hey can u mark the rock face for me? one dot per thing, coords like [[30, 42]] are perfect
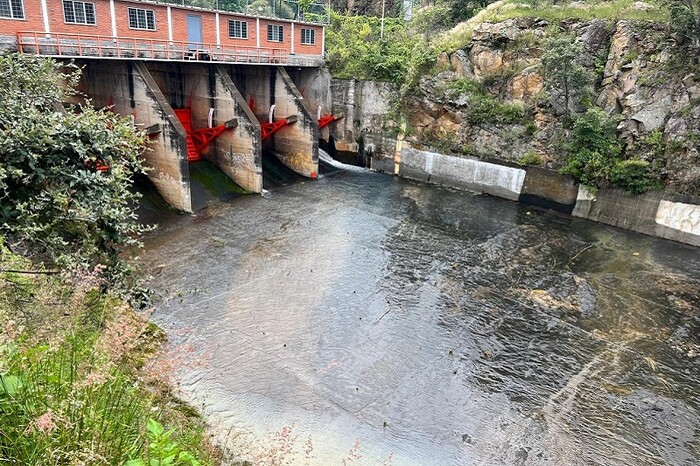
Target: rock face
[[641, 76]]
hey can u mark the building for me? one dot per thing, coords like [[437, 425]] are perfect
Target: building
[[156, 31]]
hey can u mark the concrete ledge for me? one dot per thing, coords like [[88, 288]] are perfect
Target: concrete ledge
[[472, 175], [615, 207], [669, 216]]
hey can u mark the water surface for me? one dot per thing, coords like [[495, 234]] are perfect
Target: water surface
[[417, 325]]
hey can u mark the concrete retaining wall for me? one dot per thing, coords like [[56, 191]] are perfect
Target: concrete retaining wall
[[655, 213], [366, 106]]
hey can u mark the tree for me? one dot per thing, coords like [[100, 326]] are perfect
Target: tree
[[54, 201], [685, 19], [563, 73]]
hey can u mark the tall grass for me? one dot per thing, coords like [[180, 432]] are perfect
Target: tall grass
[[74, 384], [59, 406], [587, 10]]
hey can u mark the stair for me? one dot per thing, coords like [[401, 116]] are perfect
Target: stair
[[192, 154], [185, 117]]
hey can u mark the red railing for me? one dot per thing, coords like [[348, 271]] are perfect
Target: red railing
[[82, 45]]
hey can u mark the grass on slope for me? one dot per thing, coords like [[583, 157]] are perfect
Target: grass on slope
[[460, 35]]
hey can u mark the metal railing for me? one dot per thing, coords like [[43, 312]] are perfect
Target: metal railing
[[82, 45], [318, 11]]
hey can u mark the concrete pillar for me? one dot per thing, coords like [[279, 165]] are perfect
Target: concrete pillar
[[206, 87], [129, 89], [296, 145], [237, 152], [314, 84]]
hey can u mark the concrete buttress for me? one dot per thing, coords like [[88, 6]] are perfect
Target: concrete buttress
[[296, 145], [130, 90], [213, 99]]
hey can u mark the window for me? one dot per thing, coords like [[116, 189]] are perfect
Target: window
[[142, 19], [11, 9], [79, 12], [308, 36], [275, 33], [237, 29]]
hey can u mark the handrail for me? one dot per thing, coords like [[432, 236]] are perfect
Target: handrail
[[85, 45]]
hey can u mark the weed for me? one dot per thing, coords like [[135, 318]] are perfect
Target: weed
[[530, 158]]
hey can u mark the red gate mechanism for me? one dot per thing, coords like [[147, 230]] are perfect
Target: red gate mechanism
[[325, 120], [199, 139], [269, 128]]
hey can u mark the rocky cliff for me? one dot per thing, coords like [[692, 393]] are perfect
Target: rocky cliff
[[490, 99]]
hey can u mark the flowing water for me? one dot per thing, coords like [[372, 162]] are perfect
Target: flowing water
[[366, 319]]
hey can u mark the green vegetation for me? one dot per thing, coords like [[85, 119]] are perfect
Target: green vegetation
[[530, 158], [563, 73], [356, 50], [595, 156], [685, 19], [585, 10], [76, 382], [482, 107], [56, 204]]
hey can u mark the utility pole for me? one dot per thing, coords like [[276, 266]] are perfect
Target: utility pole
[[381, 31]]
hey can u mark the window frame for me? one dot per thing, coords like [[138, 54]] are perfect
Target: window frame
[[312, 35], [84, 12], [12, 11], [241, 22], [270, 34], [145, 11]]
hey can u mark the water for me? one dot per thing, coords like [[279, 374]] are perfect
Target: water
[[430, 326]]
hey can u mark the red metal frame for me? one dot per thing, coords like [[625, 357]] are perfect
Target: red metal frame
[[268, 129], [83, 45], [326, 120], [197, 139]]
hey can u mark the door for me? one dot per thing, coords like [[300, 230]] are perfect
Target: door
[[194, 32]]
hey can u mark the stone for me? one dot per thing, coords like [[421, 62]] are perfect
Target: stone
[[461, 64], [486, 61], [526, 85], [443, 60], [642, 6], [653, 116]]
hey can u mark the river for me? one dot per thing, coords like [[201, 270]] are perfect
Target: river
[[365, 319]]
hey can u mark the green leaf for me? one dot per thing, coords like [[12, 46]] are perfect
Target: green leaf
[[154, 427], [138, 462], [10, 384]]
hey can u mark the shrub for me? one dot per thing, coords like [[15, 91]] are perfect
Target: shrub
[[482, 107], [594, 148], [530, 158], [487, 109], [634, 175], [55, 201]]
